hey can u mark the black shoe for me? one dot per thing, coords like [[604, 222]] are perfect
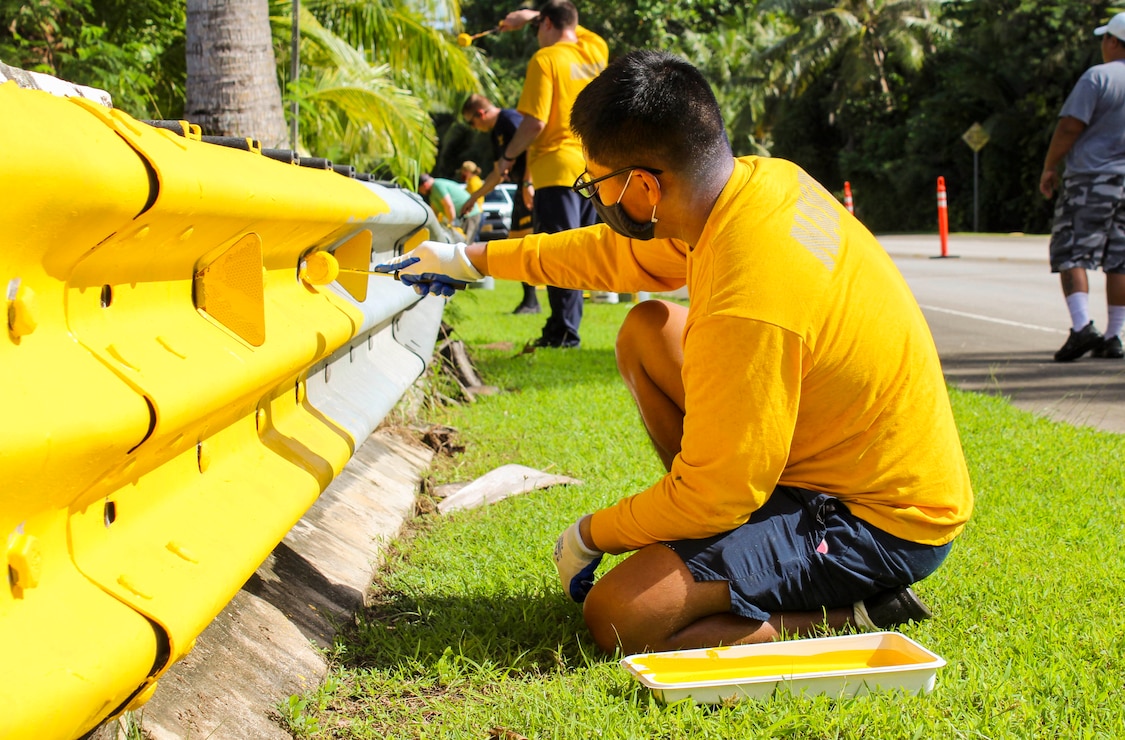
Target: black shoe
[[1079, 343], [1110, 349], [569, 343], [525, 308], [891, 608]]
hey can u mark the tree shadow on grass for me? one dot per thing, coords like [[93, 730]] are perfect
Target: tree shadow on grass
[[516, 633], [1032, 375]]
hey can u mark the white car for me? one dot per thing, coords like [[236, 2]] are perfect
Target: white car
[[497, 216]]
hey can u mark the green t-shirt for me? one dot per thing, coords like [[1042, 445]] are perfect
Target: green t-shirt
[[455, 191]]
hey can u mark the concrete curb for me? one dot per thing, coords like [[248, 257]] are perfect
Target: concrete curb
[[269, 642], [1029, 248]]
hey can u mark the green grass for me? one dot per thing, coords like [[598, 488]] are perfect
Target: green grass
[[470, 631]]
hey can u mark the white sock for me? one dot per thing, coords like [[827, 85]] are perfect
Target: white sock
[[1079, 306], [1116, 321]]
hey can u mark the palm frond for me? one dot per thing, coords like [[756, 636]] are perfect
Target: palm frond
[[353, 110]]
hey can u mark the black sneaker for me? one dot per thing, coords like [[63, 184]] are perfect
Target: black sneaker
[[890, 608], [1079, 343], [568, 343], [1110, 349], [525, 308]]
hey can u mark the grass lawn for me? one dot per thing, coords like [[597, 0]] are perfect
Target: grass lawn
[[471, 636]]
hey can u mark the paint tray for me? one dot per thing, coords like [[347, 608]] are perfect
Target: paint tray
[[841, 666]]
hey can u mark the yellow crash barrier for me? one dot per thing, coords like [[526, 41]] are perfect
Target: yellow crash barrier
[[180, 395]]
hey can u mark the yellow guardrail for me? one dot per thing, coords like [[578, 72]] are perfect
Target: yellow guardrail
[[179, 397]]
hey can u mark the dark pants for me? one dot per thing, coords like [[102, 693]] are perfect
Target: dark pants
[[559, 209]]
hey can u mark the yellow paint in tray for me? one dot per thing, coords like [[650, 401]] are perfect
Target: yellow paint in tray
[[717, 664]]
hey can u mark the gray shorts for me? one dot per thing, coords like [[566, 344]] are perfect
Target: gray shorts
[[1089, 227]]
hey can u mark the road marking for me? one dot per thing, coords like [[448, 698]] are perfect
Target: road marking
[[992, 319]]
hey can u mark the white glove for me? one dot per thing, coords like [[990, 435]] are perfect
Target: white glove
[[434, 258], [576, 563]]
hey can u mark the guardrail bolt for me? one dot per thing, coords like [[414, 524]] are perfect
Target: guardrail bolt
[[25, 562], [21, 309]]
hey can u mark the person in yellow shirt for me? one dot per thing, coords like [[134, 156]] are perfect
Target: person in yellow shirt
[[569, 56], [469, 174], [814, 470]]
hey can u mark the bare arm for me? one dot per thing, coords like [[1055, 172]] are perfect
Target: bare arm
[[485, 188], [450, 210], [1066, 133], [529, 129], [517, 19]]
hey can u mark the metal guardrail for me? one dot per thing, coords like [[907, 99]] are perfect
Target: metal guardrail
[[178, 397]]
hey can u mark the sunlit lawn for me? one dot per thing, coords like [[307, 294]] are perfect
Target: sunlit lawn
[[471, 636]]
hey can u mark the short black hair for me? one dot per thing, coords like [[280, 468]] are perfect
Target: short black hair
[[561, 13], [653, 109]]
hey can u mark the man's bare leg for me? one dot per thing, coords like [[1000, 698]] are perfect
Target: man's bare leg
[[1074, 280], [651, 602], [1115, 288], [650, 358]]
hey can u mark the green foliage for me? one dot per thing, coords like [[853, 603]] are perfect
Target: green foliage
[[1010, 69], [506, 53], [862, 42], [876, 92], [731, 55], [371, 76], [351, 110], [1008, 65], [132, 50]]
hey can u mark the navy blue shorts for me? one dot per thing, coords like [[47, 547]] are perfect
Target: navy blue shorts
[[804, 551]]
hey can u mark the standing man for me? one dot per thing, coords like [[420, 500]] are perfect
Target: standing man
[[797, 404], [1089, 227], [569, 57], [500, 124]]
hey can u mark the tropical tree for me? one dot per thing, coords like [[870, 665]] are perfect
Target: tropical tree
[[861, 41], [372, 74], [730, 55], [1010, 68], [350, 110], [232, 87]]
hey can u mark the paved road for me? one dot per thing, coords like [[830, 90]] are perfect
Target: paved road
[[998, 315]]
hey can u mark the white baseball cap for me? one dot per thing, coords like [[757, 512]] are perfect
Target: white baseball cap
[[1116, 26]]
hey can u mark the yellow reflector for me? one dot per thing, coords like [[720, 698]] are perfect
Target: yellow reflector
[[415, 239], [355, 254], [230, 289]]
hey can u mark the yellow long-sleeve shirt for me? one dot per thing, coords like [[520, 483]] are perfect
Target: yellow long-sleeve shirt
[[555, 76], [807, 362]]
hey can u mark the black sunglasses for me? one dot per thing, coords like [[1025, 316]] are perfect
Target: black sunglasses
[[534, 23], [587, 187]]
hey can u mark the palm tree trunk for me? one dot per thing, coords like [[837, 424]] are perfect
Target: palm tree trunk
[[232, 87]]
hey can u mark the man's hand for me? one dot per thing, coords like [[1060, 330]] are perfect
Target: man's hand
[[433, 267], [517, 19], [1048, 182], [441, 258], [576, 563]]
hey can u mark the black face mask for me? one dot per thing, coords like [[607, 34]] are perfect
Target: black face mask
[[617, 219]]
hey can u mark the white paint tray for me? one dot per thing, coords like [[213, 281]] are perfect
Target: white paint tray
[[841, 666]]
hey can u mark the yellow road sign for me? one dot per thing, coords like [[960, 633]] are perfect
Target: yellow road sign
[[976, 137]]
